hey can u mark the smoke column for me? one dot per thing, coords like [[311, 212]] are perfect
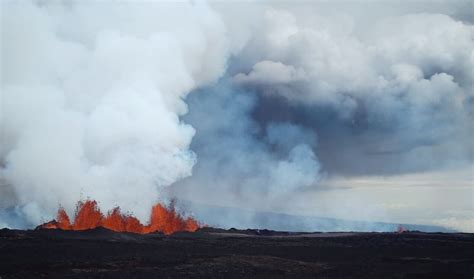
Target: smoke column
[[92, 96]]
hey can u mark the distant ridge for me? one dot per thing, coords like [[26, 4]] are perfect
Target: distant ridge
[[228, 217]]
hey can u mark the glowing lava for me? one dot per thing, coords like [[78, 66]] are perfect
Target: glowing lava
[[88, 216]]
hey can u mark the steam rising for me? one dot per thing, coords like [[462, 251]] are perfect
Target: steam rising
[[128, 103], [92, 97]]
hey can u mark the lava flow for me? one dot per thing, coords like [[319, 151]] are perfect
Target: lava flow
[[88, 216]]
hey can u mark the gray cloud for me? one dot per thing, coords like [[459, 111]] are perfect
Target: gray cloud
[[237, 156], [397, 88]]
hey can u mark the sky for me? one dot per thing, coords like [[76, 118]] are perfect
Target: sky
[[358, 110]]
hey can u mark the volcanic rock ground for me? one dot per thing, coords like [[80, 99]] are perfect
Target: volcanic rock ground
[[214, 253]]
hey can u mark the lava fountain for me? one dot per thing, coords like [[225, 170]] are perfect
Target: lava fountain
[[88, 216]]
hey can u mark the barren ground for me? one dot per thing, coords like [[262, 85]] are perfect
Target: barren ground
[[214, 253]]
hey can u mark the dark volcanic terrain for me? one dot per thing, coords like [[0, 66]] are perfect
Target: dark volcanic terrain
[[214, 253]]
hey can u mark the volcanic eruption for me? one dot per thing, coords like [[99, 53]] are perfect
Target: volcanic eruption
[[88, 216], [297, 109]]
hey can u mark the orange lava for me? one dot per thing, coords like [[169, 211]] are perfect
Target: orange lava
[[88, 216], [401, 229]]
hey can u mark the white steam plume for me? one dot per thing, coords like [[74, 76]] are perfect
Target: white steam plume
[[91, 99]]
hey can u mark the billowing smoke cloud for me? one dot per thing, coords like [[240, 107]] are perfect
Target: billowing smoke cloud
[[92, 96], [395, 96], [117, 102], [241, 161]]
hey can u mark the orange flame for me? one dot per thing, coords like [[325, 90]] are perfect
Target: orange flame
[[88, 216]]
